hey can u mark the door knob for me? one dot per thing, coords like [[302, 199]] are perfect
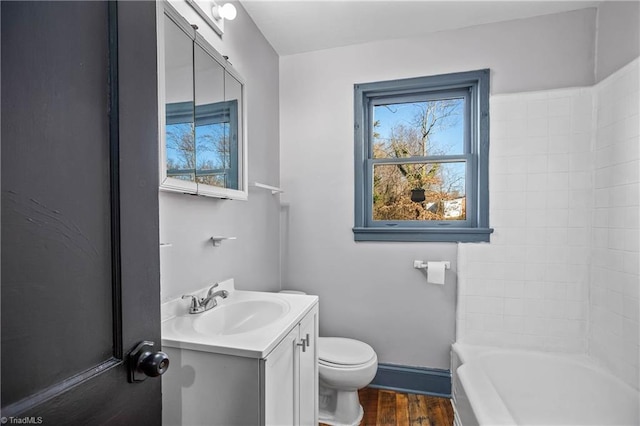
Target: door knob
[[145, 362]]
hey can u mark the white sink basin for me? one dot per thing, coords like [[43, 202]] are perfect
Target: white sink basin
[[239, 317], [247, 323]]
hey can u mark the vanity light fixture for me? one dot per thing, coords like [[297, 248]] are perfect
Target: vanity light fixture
[[214, 14]]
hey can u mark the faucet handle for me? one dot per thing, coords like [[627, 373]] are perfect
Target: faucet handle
[[195, 302], [210, 292]]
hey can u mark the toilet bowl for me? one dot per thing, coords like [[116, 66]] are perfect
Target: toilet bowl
[[344, 366]]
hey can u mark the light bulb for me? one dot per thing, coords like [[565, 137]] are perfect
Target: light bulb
[[226, 11]]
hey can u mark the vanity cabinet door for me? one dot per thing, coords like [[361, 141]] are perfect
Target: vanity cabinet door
[[280, 386], [308, 370], [291, 377]]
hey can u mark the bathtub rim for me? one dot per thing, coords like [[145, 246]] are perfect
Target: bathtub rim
[[492, 406]]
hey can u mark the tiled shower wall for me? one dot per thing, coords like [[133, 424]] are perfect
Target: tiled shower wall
[[615, 281], [561, 272], [528, 287]]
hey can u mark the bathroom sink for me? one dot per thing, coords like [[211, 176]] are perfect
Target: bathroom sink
[[240, 317], [246, 323]]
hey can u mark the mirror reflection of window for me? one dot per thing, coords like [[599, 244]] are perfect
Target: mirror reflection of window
[[211, 130], [216, 126], [180, 144]]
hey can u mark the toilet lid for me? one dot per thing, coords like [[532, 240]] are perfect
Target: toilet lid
[[342, 351]]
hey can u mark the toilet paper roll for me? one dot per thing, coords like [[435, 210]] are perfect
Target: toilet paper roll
[[435, 272]]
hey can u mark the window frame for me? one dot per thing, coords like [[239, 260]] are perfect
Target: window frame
[[475, 86]]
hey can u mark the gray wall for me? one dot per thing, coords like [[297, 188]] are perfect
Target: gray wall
[[370, 291], [187, 222], [618, 40]]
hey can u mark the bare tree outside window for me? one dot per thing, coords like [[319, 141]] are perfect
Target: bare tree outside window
[[415, 131]]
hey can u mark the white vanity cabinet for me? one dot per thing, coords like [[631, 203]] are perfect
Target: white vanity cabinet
[[290, 376], [242, 387]]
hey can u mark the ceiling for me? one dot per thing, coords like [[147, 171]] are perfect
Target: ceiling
[[297, 26]]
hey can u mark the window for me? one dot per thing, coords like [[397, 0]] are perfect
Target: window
[[421, 159]]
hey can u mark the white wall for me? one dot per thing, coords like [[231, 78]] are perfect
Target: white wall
[[528, 288], [187, 222], [370, 291], [615, 280]]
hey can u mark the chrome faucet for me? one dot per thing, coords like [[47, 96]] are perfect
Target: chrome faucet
[[199, 305]]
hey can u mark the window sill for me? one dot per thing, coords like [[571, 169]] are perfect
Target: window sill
[[460, 235]]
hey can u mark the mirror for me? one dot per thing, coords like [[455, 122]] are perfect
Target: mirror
[[216, 124], [203, 145], [179, 106]]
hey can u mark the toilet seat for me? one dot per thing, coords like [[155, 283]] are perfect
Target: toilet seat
[[340, 352]]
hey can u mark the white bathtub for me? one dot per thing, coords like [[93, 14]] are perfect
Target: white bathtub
[[494, 386]]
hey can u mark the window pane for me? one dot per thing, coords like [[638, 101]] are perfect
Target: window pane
[[418, 128], [419, 191]]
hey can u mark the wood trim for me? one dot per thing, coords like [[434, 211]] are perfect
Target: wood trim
[[431, 234], [418, 380]]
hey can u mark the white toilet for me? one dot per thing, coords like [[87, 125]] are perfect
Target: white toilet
[[344, 366]]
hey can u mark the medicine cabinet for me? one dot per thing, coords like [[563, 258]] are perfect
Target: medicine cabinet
[[201, 114]]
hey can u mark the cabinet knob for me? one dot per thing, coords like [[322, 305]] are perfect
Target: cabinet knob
[[307, 340]]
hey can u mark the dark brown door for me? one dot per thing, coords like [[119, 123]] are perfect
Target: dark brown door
[[80, 265]]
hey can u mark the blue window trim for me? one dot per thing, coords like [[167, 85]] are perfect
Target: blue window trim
[[179, 113], [476, 227]]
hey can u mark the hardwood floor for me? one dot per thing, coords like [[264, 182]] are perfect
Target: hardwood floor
[[388, 408]]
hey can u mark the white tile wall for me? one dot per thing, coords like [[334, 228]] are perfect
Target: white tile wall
[[615, 282], [528, 287], [562, 269]]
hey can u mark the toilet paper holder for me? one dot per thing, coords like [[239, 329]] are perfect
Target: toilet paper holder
[[419, 264]]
